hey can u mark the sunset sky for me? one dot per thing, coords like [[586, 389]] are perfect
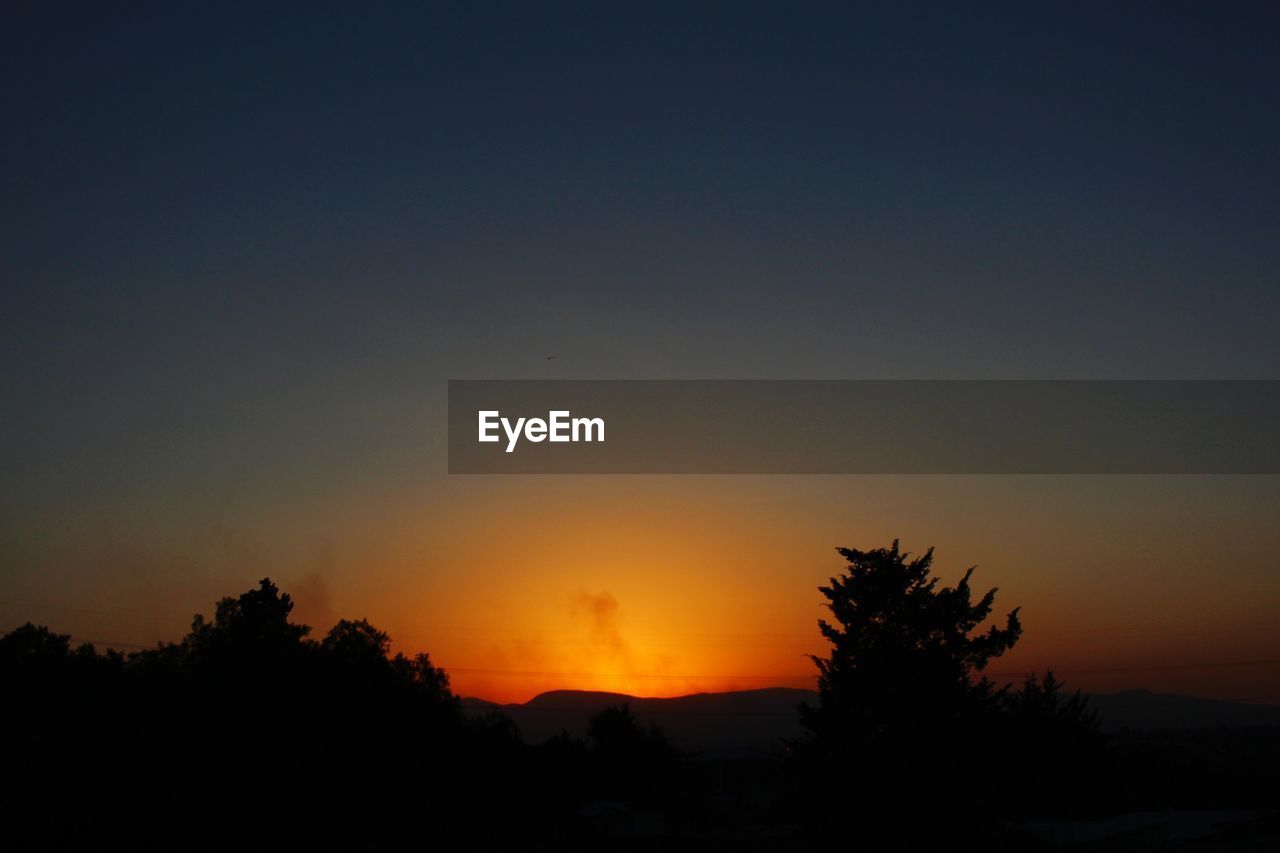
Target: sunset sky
[[242, 254]]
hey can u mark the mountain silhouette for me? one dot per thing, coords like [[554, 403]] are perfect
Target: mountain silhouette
[[1143, 709], [763, 719], [758, 719]]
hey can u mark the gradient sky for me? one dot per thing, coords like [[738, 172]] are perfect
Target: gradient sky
[[243, 249]]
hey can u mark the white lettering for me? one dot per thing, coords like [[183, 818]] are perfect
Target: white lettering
[[559, 420], [488, 421], [558, 427], [513, 434], [587, 424]]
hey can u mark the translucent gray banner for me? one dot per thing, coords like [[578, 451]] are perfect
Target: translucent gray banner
[[863, 427]]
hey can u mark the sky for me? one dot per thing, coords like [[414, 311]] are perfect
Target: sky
[[243, 249]]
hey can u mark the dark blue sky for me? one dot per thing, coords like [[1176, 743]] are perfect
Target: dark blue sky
[[1070, 189], [243, 247]]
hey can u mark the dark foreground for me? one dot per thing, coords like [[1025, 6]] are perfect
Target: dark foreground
[[248, 734]]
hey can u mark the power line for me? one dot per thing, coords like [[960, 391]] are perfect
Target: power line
[[114, 644], [809, 676], [1169, 667], [615, 675], [641, 705], [645, 711]]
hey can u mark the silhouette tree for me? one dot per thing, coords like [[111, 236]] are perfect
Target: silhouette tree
[[32, 645], [41, 672], [427, 680], [1040, 703], [356, 643], [631, 760], [252, 629], [615, 732], [1054, 748], [901, 699]]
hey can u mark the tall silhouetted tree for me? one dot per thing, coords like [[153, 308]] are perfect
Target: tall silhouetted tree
[[903, 711]]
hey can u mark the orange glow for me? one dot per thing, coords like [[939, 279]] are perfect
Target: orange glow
[[646, 587], [664, 586], [603, 604]]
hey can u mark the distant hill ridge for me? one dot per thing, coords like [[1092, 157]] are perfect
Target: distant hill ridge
[[762, 719]]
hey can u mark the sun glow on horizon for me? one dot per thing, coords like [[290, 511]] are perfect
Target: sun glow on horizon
[[592, 646]]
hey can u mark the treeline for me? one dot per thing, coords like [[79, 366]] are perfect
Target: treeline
[[250, 733]]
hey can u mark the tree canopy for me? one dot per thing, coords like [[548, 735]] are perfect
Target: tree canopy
[[902, 702]]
